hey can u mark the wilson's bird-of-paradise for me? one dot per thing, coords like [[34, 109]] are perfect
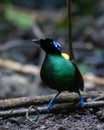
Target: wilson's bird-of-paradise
[[59, 71]]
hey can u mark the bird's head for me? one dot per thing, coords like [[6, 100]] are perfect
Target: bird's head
[[49, 45]]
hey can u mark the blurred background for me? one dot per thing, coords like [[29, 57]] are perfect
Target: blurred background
[[20, 59]]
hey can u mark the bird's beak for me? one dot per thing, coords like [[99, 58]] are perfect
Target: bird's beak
[[36, 41]]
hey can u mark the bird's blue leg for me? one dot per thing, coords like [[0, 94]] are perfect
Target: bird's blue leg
[[52, 101], [81, 101]]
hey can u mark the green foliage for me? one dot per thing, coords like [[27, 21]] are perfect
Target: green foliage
[[85, 68], [62, 24], [18, 18], [5, 2], [85, 7]]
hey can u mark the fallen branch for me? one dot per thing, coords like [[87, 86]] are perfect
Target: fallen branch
[[28, 69], [39, 100], [66, 107], [94, 79]]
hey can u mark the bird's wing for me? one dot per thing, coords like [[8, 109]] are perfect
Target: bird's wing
[[78, 81]]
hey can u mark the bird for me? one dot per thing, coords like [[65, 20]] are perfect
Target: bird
[[59, 71]]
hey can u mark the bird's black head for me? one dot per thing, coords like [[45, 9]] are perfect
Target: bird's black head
[[49, 46]]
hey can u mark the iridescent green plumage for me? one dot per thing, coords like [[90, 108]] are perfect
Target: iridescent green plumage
[[59, 73]]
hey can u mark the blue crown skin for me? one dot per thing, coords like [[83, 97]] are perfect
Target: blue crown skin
[[57, 45]]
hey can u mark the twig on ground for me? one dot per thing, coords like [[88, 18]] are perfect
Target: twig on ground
[[101, 97], [57, 108], [39, 100]]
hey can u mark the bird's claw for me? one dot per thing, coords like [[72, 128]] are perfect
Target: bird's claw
[[81, 102], [50, 105]]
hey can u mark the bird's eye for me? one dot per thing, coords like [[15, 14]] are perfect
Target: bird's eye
[[57, 45]]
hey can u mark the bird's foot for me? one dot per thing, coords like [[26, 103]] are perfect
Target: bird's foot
[[81, 102], [49, 107]]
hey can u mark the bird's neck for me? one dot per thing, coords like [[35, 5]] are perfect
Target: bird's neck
[[49, 55], [53, 54]]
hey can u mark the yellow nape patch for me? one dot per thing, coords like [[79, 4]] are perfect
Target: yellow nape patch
[[66, 56]]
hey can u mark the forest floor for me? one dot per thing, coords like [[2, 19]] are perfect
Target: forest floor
[[89, 119]]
